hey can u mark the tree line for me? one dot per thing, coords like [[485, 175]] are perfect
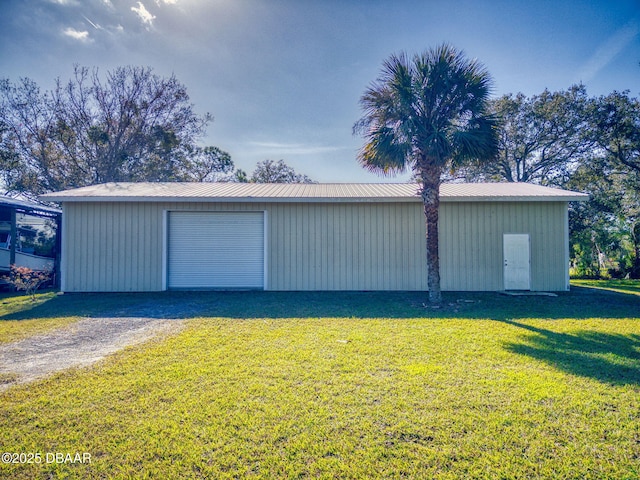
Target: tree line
[[133, 125], [588, 144], [130, 126], [571, 140]]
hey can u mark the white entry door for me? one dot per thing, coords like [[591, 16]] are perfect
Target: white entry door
[[517, 265]]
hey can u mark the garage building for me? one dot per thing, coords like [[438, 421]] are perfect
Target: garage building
[[125, 237]]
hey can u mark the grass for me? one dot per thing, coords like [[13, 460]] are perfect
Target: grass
[[339, 385], [19, 305], [620, 286]]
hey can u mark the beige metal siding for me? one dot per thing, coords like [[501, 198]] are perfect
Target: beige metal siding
[[112, 247], [118, 246], [337, 246], [471, 250]]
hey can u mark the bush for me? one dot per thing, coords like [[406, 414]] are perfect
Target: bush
[[23, 278]]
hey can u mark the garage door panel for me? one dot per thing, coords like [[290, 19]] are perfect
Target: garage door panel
[[216, 250]]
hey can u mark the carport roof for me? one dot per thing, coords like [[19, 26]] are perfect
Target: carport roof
[[31, 208], [308, 192]]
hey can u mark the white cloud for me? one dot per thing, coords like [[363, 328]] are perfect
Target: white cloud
[[83, 36], [144, 14], [293, 148], [166, 2], [608, 51]]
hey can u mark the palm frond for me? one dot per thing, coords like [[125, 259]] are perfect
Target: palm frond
[[383, 153], [430, 107], [477, 141]]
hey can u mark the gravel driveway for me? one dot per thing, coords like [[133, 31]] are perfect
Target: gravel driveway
[[77, 345]]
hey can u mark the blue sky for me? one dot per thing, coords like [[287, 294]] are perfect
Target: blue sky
[[283, 77]]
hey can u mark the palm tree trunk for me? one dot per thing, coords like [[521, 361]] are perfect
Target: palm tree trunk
[[431, 200]]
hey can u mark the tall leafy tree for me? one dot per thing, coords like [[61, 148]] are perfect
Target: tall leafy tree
[[605, 231], [616, 164], [270, 171], [542, 138], [209, 164], [617, 122], [428, 113], [130, 125]]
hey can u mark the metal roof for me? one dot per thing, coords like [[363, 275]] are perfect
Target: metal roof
[[307, 192], [24, 206]]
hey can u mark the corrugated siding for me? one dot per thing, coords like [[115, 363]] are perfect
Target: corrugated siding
[[346, 247], [118, 246], [112, 247], [471, 250]]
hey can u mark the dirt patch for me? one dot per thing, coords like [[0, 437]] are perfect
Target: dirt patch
[[77, 345]]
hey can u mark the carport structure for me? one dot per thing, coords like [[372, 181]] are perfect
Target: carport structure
[[16, 225]]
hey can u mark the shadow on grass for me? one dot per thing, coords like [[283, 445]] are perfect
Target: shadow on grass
[[620, 286], [579, 303], [609, 358]]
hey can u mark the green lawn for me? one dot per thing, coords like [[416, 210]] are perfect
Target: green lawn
[[341, 385], [18, 306], [621, 286]]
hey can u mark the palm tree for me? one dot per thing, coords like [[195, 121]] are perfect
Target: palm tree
[[429, 113]]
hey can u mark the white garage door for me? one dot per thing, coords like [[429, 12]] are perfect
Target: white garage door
[[216, 250]]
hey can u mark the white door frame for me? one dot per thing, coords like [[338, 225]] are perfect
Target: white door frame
[[517, 261], [165, 241]]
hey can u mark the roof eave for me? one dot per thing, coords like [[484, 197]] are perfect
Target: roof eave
[[181, 199], [63, 199], [524, 198]]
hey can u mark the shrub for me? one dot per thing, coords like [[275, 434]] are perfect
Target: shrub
[[23, 278]]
